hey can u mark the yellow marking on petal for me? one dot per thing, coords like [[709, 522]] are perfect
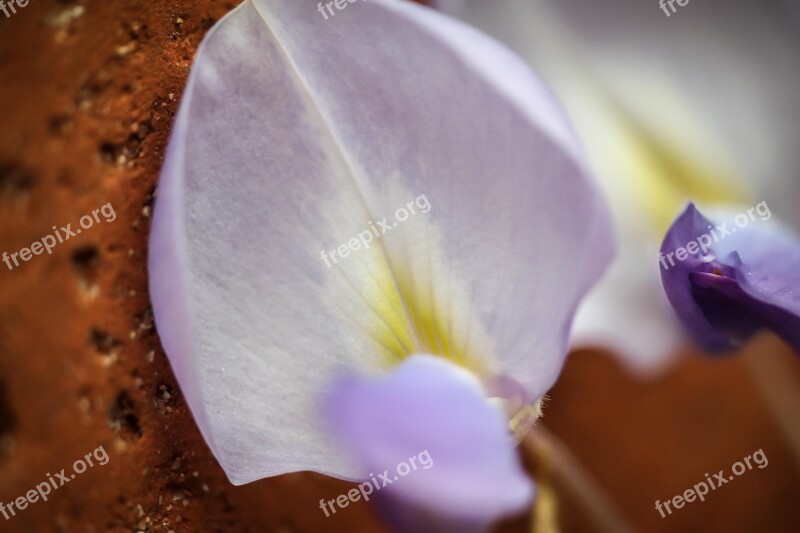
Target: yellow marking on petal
[[667, 176], [412, 322], [662, 174], [400, 294]]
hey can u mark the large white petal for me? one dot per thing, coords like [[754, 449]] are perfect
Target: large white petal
[[295, 135]]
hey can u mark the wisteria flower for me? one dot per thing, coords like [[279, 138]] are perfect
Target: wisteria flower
[[729, 279], [385, 197]]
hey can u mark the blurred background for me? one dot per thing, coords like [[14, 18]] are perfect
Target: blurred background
[[88, 91]]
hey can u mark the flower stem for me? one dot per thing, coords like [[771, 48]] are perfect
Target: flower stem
[[574, 480]]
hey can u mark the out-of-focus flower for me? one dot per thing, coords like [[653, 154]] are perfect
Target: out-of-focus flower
[[700, 106], [285, 251], [729, 279]]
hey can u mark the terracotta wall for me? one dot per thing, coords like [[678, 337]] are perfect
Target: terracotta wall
[[88, 91]]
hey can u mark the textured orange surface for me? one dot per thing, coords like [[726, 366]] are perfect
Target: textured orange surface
[[86, 104]]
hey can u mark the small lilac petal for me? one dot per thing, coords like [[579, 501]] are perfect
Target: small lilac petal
[[677, 285], [430, 405], [748, 280]]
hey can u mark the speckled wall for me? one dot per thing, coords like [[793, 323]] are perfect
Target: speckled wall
[[88, 92]]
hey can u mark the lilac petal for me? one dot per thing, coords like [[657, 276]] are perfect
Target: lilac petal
[[295, 135], [748, 280], [430, 406]]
